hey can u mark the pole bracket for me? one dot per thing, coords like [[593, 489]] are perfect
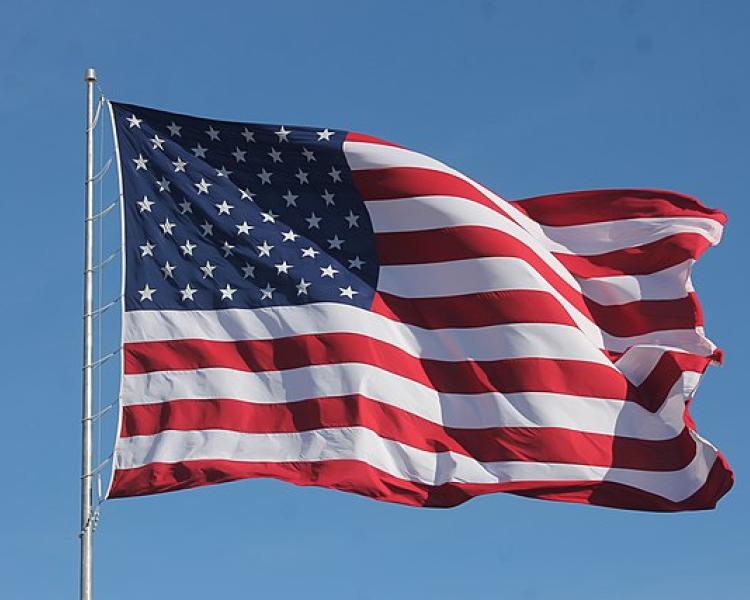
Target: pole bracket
[[102, 360]]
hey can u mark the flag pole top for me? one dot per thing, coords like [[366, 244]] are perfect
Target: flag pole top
[[90, 75]]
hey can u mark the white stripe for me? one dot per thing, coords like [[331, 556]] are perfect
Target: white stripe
[[396, 459], [467, 276], [366, 155], [682, 340], [497, 273], [637, 363], [608, 236], [668, 284], [673, 409], [472, 411], [494, 342], [421, 213]]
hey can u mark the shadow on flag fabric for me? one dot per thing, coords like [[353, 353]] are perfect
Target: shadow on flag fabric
[[331, 309]]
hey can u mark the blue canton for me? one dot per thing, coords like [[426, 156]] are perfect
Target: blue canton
[[234, 215]]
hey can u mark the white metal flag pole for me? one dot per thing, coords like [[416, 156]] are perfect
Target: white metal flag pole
[[87, 466]]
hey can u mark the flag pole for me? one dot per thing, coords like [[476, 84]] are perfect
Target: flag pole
[[87, 466]]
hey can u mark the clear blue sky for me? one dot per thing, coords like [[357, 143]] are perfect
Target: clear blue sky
[[527, 97]]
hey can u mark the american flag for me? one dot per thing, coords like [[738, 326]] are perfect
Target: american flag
[[328, 308]]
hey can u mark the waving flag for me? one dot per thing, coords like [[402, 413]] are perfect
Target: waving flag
[[331, 309]]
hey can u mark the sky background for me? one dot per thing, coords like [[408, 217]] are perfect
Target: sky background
[[528, 98]]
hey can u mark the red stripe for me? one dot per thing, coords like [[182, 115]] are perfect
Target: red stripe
[[530, 444], [667, 371], [647, 316], [597, 206], [353, 136], [615, 495], [578, 378], [473, 310], [459, 243], [360, 478], [404, 182], [638, 260], [454, 243]]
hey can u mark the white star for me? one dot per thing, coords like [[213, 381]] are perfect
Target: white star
[[247, 195], [265, 176], [328, 197], [224, 208], [289, 236], [167, 227], [248, 135], [244, 228], [212, 133], [199, 151], [223, 172], [265, 249], [275, 155], [227, 247], [290, 198], [308, 154], [208, 270], [179, 165], [208, 228], [325, 135], [352, 219], [348, 292], [134, 122], [187, 293], [313, 221], [140, 163], [145, 204], [163, 184], [302, 287], [203, 186], [239, 155], [310, 252], [157, 142], [328, 271], [227, 292], [335, 175], [302, 176], [283, 267], [147, 250], [335, 243], [267, 292], [186, 207], [248, 271], [167, 269], [187, 248], [283, 134], [356, 263], [269, 217], [174, 129], [146, 293]]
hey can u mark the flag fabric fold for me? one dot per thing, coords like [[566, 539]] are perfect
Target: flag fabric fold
[[328, 308]]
